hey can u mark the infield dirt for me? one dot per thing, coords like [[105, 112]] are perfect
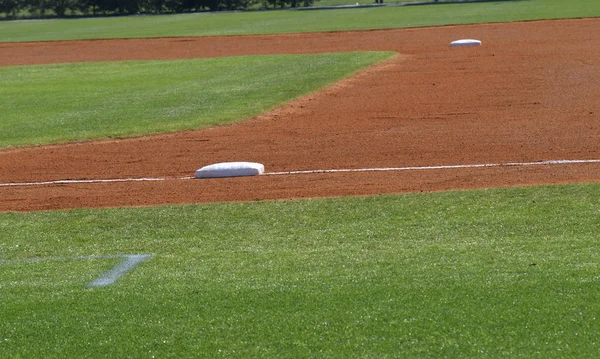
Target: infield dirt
[[530, 93]]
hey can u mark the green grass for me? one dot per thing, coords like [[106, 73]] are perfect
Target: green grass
[[486, 274], [272, 22], [495, 273], [319, 3], [66, 102]]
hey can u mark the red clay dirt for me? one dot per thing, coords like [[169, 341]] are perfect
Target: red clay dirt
[[530, 93]]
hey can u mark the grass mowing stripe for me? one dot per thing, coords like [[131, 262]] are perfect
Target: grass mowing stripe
[[494, 273], [273, 22], [67, 102]]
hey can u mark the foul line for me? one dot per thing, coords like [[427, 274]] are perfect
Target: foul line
[[383, 169], [420, 168], [129, 262], [22, 184]]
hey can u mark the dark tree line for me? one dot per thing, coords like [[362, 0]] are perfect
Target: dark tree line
[[65, 8]]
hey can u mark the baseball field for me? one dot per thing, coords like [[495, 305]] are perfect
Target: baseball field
[[418, 200]]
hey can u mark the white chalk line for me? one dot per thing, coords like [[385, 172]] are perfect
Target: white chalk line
[[343, 170], [420, 168], [129, 262], [41, 183]]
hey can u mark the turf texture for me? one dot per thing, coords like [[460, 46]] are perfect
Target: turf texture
[[493, 273], [292, 21], [72, 102]]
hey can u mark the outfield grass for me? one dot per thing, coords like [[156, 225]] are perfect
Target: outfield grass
[[289, 21], [66, 102], [494, 273], [319, 3]]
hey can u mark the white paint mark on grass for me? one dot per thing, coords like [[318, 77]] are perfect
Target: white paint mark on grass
[[129, 262], [383, 169]]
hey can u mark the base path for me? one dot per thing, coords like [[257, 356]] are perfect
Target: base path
[[528, 94]]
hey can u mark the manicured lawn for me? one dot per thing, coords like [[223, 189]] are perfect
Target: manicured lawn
[[319, 3], [494, 274], [291, 21], [500, 273], [66, 102]]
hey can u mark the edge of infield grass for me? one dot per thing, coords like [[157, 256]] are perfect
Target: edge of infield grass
[[46, 104]]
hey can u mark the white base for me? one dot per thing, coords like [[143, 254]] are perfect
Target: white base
[[465, 42], [230, 169]]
